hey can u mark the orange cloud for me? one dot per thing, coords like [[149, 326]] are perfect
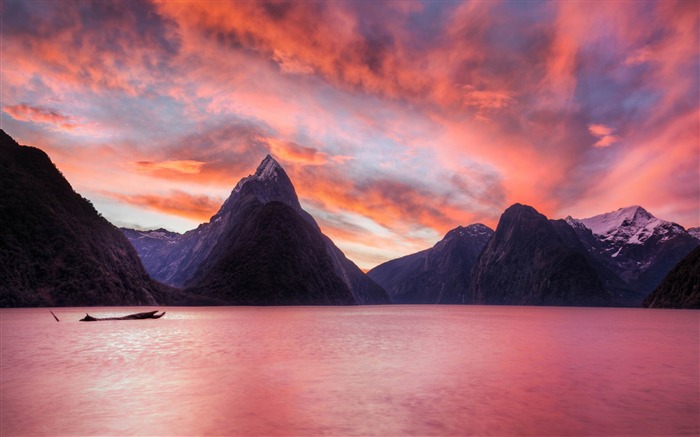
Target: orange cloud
[[178, 203], [393, 204], [485, 99], [186, 166], [604, 134], [25, 112], [290, 65], [292, 152]]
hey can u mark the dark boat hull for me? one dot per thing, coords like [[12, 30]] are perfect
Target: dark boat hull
[[137, 316]]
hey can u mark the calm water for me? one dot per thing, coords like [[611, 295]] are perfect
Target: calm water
[[388, 370]]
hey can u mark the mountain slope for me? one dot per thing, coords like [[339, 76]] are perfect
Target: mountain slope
[[681, 287], [183, 261], [532, 261], [272, 257], [640, 248], [440, 274], [56, 250]]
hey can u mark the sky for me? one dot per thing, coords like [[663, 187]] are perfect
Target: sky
[[396, 121]]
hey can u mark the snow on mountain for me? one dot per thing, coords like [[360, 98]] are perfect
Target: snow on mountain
[[475, 230], [630, 225], [268, 169], [163, 235], [695, 232], [640, 248]]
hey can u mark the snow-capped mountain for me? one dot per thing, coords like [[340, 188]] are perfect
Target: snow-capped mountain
[[639, 247], [436, 275], [695, 232], [211, 256], [630, 226]]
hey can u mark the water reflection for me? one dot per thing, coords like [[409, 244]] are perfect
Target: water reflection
[[401, 370]]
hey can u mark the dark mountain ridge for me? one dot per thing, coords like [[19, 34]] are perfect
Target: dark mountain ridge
[[55, 248], [681, 287], [437, 275], [531, 260]]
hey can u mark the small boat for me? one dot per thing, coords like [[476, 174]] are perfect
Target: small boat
[[137, 316]]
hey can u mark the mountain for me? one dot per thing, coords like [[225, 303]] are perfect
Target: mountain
[[440, 274], [531, 260], [271, 257], [235, 258], [640, 248], [681, 287], [151, 244], [56, 249], [695, 232]]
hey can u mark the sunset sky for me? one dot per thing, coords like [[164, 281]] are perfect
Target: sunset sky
[[396, 121]]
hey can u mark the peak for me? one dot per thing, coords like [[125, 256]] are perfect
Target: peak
[[474, 230], [268, 168], [629, 220], [518, 208], [269, 183], [632, 210], [622, 216]]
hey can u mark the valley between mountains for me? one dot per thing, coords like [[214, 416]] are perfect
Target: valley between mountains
[[263, 248]]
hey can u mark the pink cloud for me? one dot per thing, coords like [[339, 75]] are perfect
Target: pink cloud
[[178, 203], [26, 112], [604, 134], [186, 166]]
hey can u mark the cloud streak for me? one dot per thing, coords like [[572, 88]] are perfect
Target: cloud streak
[[38, 114], [178, 203]]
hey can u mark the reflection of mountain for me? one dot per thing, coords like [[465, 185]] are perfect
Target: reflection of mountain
[[260, 248], [681, 287], [437, 275], [56, 250]]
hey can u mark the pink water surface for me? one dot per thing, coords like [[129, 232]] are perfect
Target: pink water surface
[[385, 370]]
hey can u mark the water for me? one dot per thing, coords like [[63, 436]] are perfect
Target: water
[[386, 370]]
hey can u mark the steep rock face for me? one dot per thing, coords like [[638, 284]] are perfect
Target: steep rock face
[[272, 257], [177, 262], [640, 248], [681, 287], [440, 274], [532, 261], [56, 250]]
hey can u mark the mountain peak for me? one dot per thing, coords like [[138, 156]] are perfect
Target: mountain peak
[[632, 216], [473, 230], [519, 208], [268, 169], [269, 183]]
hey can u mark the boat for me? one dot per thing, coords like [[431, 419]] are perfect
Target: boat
[[137, 316]]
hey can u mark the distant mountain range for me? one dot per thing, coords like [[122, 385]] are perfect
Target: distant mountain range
[[440, 274], [262, 248], [613, 259]]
